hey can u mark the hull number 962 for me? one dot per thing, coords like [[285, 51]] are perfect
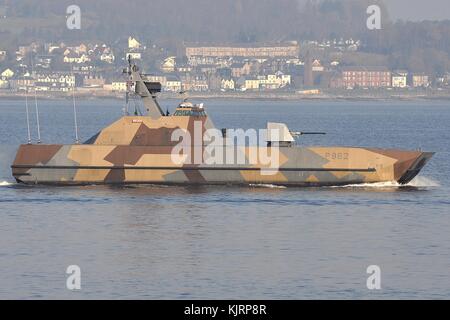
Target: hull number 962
[[336, 155]]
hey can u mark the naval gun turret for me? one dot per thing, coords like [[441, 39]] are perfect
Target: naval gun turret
[[279, 135]]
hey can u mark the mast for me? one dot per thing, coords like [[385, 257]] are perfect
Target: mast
[[28, 116], [36, 103], [77, 140], [26, 106], [147, 93], [127, 98]]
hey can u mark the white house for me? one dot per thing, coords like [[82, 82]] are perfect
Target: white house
[[399, 80], [119, 86], [107, 57], [252, 84], [5, 78], [420, 80], [317, 66], [4, 84], [7, 74], [172, 85], [76, 58], [275, 81], [168, 65], [133, 43], [227, 84], [64, 79], [134, 56]]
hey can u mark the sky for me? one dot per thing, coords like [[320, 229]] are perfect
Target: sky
[[417, 10]]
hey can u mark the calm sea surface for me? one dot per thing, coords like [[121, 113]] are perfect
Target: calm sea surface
[[151, 242]]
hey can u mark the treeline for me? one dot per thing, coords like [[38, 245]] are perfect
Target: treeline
[[202, 20], [419, 46]]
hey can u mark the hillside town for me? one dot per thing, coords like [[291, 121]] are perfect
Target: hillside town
[[308, 68]]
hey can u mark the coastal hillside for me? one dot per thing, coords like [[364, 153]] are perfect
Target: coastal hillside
[[417, 46]]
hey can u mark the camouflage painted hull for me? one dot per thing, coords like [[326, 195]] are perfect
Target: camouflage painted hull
[[142, 149], [131, 164]]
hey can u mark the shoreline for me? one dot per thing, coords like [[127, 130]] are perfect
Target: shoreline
[[266, 96]]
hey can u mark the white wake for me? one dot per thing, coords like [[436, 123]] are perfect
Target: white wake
[[420, 181], [5, 183], [417, 182], [270, 186], [388, 184]]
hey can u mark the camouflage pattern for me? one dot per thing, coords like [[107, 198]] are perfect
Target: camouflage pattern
[[138, 149]]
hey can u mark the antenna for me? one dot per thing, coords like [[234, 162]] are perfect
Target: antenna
[[35, 103], [126, 103], [184, 95], [127, 71], [28, 116], [26, 106], [37, 115], [77, 140], [127, 97]]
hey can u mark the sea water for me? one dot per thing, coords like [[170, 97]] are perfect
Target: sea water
[[261, 241]]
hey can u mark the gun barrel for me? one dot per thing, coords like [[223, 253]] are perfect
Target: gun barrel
[[303, 133]]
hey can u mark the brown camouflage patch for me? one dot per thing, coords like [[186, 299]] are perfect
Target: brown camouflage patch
[[115, 176], [194, 176], [35, 153], [153, 137]]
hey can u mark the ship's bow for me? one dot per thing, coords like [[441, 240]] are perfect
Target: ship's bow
[[406, 171], [401, 165]]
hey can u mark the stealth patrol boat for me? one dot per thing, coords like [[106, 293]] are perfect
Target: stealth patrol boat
[[141, 149]]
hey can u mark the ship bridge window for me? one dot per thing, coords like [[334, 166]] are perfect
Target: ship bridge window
[[189, 113]]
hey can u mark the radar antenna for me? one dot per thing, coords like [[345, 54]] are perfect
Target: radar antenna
[[146, 90], [184, 94]]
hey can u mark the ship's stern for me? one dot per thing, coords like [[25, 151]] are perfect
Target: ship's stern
[[29, 157]]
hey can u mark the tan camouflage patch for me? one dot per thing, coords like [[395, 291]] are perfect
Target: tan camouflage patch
[[90, 155], [147, 175], [91, 175], [255, 176], [312, 178]]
